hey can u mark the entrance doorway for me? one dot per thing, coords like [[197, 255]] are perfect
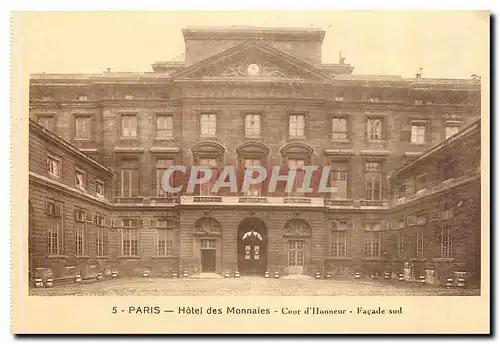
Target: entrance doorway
[[252, 247], [208, 256], [296, 257]]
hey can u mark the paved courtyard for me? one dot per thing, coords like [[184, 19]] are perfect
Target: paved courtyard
[[245, 286]]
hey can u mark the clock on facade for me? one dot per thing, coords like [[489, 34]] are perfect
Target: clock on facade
[[253, 69]]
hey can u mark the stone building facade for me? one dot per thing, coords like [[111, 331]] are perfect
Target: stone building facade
[[243, 97], [436, 210]]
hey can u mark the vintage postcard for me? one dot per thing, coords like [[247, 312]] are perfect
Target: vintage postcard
[[250, 172]]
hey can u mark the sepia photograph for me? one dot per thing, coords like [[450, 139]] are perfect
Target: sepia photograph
[[339, 154]]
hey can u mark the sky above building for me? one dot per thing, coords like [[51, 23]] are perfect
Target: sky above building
[[444, 44]]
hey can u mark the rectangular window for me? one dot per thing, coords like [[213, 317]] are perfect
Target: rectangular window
[[338, 244], [208, 124], [80, 235], [420, 243], [164, 127], [54, 166], [161, 166], [339, 129], [374, 129], [451, 130], [401, 243], [420, 182], [54, 228], [448, 169], [373, 179], [83, 128], [48, 122], [130, 182], [298, 166], [339, 177], [297, 125], [252, 125], [99, 188], [372, 244], [254, 190], [210, 244], [101, 236], [165, 235], [206, 188], [418, 133], [129, 126], [130, 237], [446, 241], [80, 179]]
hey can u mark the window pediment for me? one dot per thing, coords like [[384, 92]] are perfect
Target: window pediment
[[207, 226], [297, 228], [252, 148], [296, 148], [208, 148]]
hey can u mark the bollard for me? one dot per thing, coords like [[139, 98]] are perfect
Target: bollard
[[114, 274], [357, 275], [328, 275], [145, 274], [387, 275], [174, 274], [226, 274], [422, 279], [266, 274], [401, 277], [449, 282], [277, 274], [461, 282], [318, 275], [99, 276], [236, 274], [38, 283], [49, 283], [78, 278], [185, 274]]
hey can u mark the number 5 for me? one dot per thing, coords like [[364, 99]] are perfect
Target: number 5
[[115, 310]]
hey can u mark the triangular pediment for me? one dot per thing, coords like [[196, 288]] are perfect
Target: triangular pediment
[[253, 60]]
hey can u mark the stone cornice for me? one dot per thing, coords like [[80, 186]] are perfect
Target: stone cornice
[[254, 33], [48, 182], [48, 135]]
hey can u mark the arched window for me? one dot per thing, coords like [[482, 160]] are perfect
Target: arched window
[[211, 155]]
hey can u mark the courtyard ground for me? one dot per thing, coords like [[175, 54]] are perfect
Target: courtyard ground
[[246, 286]]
